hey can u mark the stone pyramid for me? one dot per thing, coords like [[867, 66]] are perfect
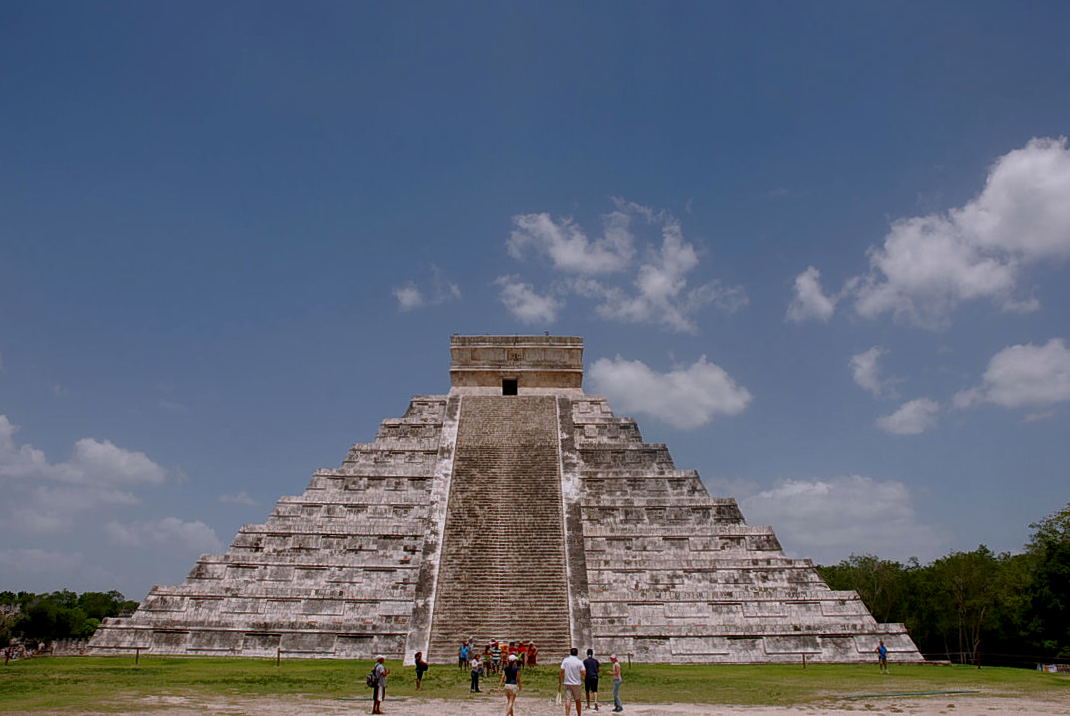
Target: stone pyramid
[[515, 507]]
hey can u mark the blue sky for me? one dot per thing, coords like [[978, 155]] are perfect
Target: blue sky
[[821, 250]]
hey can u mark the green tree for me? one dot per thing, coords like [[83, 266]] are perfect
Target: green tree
[[101, 604], [879, 582], [969, 596], [1049, 593], [64, 598]]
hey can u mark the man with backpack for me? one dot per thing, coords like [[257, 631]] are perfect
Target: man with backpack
[[377, 682]]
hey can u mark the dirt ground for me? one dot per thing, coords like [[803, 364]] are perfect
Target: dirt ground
[[957, 705]]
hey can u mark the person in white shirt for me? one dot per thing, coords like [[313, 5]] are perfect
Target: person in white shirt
[[477, 669], [570, 678]]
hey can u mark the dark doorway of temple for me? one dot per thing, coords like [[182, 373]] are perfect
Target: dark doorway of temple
[[508, 386]]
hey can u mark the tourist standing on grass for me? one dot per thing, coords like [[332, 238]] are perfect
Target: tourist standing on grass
[[882, 656], [495, 656], [462, 656], [510, 683], [421, 668], [477, 668], [533, 654], [590, 681], [617, 678], [380, 672], [570, 679]]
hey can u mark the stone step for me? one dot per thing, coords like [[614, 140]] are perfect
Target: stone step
[[503, 537]]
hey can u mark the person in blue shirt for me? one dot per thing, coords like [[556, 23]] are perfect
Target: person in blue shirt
[[462, 656], [590, 681], [882, 657], [510, 683]]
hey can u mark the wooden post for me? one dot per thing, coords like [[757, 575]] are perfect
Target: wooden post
[[804, 660], [137, 655], [278, 656]]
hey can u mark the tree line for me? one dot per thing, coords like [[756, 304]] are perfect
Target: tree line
[[979, 606], [33, 618]]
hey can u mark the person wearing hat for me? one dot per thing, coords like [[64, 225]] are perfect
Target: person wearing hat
[[510, 682], [379, 693]]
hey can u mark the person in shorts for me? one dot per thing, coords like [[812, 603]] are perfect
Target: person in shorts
[[570, 678], [421, 668], [379, 690], [510, 683], [590, 681], [882, 656]]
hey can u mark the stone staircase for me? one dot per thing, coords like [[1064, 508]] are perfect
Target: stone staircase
[[502, 571]]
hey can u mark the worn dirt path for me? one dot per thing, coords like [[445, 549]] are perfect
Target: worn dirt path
[[956, 705]]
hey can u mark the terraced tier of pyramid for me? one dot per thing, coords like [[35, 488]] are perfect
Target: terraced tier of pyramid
[[514, 507]]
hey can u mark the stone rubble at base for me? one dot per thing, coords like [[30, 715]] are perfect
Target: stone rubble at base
[[540, 516]]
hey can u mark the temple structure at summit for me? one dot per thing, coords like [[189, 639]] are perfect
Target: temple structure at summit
[[514, 507]]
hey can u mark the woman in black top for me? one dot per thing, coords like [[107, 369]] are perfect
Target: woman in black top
[[421, 668], [510, 683]]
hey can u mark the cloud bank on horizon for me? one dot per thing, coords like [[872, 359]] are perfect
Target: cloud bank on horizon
[[46, 498]]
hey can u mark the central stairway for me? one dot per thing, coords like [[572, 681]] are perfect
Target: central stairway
[[502, 571]]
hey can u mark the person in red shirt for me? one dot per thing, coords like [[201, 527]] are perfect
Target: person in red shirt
[[522, 653]]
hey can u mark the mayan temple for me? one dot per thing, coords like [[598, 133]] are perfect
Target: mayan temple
[[514, 507]]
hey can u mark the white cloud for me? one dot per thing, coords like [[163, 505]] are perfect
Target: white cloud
[[440, 290], [93, 462], [569, 248], [194, 536], [409, 296], [1023, 208], [525, 304], [829, 519], [686, 397], [928, 265], [811, 301], [865, 369], [44, 496], [1023, 376], [101, 462], [659, 293], [242, 498], [912, 418]]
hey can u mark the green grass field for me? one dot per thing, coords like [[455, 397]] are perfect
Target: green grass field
[[101, 684]]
